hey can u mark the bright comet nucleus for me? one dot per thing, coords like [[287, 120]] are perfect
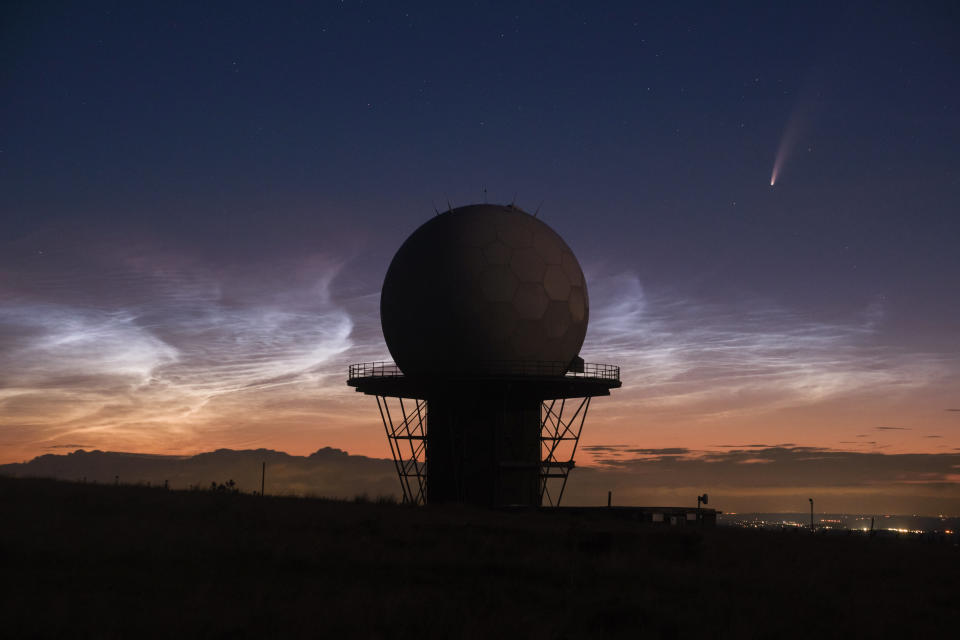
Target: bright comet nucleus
[[787, 144]]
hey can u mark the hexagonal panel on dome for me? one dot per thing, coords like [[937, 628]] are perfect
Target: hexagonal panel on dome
[[572, 268], [498, 284], [549, 245], [530, 300], [556, 319], [467, 302], [527, 265], [517, 236], [497, 253], [556, 283], [474, 231], [471, 261], [578, 305], [528, 340], [559, 345], [502, 318]]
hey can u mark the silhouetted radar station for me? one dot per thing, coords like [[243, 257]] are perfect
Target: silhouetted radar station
[[484, 309]]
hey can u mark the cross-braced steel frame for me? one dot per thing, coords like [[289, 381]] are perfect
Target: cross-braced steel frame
[[408, 444], [559, 437]]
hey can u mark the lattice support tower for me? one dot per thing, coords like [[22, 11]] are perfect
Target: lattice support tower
[[559, 437], [408, 445], [498, 439]]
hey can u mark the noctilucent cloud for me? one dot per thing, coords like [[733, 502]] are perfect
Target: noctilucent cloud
[[200, 202]]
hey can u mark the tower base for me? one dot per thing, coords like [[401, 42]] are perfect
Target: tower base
[[490, 440]]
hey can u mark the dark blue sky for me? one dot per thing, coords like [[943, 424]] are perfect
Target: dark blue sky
[[639, 128], [251, 142]]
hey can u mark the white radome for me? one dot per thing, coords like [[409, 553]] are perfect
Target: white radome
[[483, 284]]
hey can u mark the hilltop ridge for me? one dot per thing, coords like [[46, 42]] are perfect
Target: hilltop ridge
[[133, 561], [328, 471]]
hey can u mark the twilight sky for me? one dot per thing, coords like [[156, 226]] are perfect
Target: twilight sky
[[199, 204]]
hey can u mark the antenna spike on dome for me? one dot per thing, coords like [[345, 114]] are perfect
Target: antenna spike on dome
[[514, 201], [434, 205], [449, 206], [535, 213], [484, 195]]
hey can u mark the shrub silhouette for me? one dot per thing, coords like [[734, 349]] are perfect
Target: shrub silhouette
[[224, 487]]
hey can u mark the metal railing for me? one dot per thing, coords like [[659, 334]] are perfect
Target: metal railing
[[374, 370], [494, 368]]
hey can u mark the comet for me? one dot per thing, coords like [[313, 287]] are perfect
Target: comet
[[787, 144]]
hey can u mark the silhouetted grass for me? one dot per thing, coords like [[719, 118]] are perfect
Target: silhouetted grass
[[102, 561]]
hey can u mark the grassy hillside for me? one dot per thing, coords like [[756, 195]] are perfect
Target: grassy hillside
[[103, 561]]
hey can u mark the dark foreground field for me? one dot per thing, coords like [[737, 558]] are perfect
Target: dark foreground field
[[101, 561]]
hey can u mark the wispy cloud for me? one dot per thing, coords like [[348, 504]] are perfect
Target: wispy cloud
[[749, 355], [70, 446], [163, 342], [620, 449], [143, 347]]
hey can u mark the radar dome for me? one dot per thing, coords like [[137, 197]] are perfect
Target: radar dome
[[483, 284]]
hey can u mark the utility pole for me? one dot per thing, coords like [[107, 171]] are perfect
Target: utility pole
[[811, 513], [263, 477], [609, 499]]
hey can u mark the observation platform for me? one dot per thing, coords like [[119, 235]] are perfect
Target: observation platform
[[537, 378]]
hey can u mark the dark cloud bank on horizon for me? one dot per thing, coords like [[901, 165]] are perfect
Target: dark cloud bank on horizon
[[754, 477]]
